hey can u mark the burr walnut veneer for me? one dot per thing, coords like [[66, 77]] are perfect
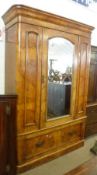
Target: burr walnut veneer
[[28, 34]]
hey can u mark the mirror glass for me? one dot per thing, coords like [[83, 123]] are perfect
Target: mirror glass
[[60, 62]]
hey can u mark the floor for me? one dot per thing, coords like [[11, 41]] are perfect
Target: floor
[[66, 163], [88, 168]]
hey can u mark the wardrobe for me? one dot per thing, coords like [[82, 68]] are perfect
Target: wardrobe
[[91, 110], [47, 66]]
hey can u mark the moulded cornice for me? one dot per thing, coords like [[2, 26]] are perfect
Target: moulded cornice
[[25, 11]]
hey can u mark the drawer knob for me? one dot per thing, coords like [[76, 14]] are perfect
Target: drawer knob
[[40, 143]]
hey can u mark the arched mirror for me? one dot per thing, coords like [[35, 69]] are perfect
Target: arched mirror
[[60, 64]]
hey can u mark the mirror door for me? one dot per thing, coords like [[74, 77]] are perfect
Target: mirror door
[[59, 56]]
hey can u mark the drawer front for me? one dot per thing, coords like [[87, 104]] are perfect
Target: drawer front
[[32, 148], [39, 145], [70, 134], [91, 114], [91, 129]]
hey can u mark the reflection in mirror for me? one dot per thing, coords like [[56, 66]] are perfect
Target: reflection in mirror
[[60, 61]]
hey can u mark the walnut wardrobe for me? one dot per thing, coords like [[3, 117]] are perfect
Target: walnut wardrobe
[[91, 109], [47, 66]]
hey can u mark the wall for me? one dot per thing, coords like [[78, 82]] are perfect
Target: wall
[[2, 56], [65, 8]]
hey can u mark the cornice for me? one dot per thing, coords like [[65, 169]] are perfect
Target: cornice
[[25, 11]]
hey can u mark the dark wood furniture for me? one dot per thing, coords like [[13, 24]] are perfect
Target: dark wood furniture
[[91, 124], [28, 34], [87, 168], [8, 134]]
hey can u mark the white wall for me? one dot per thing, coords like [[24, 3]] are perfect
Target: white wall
[[2, 56], [65, 8]]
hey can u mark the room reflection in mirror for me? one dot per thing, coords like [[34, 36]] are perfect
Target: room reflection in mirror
[[60, 61]]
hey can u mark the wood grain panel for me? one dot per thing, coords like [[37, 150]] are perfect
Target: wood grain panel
[[8, 155], [92, 90], [83, 75], [29, 77], [39, 145], [91, 122], [70, 134], [3, 135]]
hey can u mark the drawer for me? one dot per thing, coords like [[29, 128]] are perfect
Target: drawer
[[40, 144], [92, 107], [91, 129], [91, 114], [70, 134]]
